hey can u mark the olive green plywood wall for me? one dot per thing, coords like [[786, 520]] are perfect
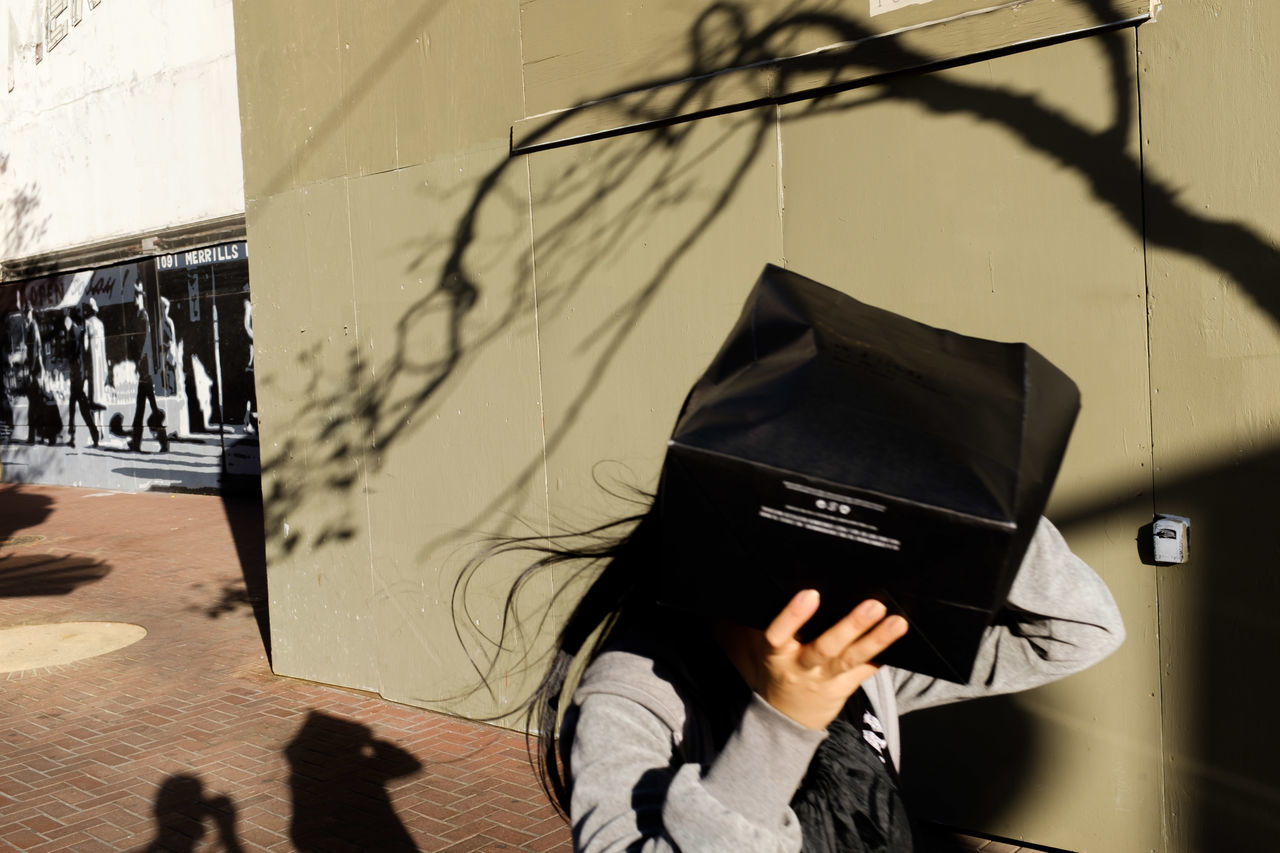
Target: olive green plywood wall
[[966, 219], [400, 359], [462, 342], [1211, 115], [455, 340]]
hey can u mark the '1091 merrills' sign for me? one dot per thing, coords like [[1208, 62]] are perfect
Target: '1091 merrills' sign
[[199, 257]]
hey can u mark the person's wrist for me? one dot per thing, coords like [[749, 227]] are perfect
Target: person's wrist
[[803, 713]]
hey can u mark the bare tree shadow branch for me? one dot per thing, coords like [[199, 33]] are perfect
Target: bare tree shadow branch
[[590, 211], [383, 404]]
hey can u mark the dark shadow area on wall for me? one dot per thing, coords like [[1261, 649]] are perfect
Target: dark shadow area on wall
[[1226, 789], [338, 773], [378, 402], [956, 771]]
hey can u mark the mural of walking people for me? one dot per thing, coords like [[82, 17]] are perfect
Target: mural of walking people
[[154, 359]]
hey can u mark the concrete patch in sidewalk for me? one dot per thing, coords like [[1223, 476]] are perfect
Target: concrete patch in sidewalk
[[37, 646]]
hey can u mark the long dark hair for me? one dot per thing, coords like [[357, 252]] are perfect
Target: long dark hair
[[848, 799], [621, 556]]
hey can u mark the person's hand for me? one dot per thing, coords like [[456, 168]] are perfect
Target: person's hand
[[810, 682]]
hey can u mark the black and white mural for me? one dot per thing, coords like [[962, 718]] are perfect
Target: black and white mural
[[133, 377]]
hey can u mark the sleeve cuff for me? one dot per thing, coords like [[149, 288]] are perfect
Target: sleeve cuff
[[763, 763]]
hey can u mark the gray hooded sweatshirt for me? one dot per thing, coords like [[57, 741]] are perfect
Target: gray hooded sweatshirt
[[647, 775]]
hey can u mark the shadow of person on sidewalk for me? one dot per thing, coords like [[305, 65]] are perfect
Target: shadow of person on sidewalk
[[25, 574], [20, 509], [338, 772], [181, 809]]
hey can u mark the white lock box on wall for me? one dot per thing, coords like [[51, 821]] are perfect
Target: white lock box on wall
[[1170, 539]]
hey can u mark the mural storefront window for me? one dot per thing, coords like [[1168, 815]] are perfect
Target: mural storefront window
[[137, 376]]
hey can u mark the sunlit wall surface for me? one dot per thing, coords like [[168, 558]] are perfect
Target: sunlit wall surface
[[493, 244], [123, 266], [119, 118]]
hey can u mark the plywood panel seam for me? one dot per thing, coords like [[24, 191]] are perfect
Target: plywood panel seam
[[361, 453], [524, 100], [748, 81], [782, 199], [1161, 793], [537, 343]]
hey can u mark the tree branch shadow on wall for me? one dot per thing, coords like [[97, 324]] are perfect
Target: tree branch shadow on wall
[[377, 405], [23, 226]]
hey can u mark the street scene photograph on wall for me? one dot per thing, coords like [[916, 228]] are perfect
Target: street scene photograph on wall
[[137, 377]]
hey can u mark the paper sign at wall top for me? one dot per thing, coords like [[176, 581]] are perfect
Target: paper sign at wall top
[[879, 7]]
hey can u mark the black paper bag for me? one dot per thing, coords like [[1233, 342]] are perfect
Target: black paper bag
[[842, 447]]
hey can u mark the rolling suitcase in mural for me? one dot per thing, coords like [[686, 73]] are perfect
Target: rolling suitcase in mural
[[46, 420]]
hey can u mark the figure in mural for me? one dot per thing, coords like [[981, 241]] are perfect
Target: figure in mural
[[140, 350], [169, 350], [42, 414], [191, 291], [75, 369], [95, 338], [251, 405], [6, 405], [10, 347]]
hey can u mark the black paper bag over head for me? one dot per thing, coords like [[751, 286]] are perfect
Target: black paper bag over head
[[842, 447]]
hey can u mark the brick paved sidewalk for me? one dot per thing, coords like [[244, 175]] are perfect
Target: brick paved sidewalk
[[185, 741]]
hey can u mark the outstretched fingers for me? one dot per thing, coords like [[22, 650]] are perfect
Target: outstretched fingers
[[783, 629], [856, 639], [811, 682], [868, 646], [855, 623]]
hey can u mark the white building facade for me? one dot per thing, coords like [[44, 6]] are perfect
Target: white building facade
[[121, 185]]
